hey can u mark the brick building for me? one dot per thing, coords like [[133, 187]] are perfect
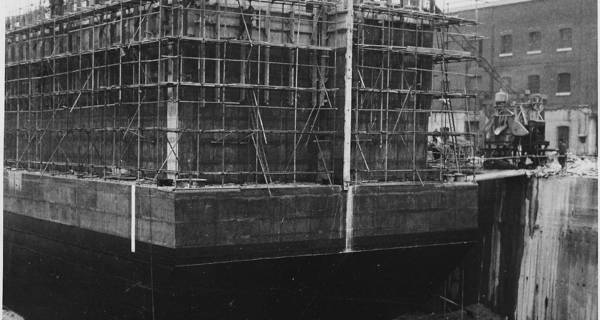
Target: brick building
[[547, 47]]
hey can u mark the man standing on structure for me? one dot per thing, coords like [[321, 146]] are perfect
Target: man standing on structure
[[56, 7], [246, 19], [562, 153]]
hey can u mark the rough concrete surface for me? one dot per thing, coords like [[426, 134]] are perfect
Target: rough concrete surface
[[245, 220], [559, 272], [10, 315], [471, 312], [540, 247]]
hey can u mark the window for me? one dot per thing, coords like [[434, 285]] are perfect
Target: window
[[533, 83], [564, 84], [566, 39], [480, 47], [535, 42], [506, 45], [563, 135]]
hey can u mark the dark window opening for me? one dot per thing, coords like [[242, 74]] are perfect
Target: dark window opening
[[535, 41], [563, 135], [506, 45], [564, 83], [566, 38], [533, 83]]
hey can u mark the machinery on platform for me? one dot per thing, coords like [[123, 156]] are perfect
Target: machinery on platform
[[514, 133]]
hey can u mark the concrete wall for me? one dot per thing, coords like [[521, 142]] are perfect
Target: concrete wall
[[500, 210], [252, 222], [540, 247], [218, 218], [559, 271], [583, 128], [102, 206], [396, 210]]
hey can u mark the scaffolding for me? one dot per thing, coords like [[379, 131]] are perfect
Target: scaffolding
[[228, 91], [399, 51]]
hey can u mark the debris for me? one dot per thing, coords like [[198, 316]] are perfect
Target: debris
[[576, 165], [582, 166]]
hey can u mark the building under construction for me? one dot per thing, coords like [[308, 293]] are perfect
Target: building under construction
[[242, 92], [161, 151], [211, 159]]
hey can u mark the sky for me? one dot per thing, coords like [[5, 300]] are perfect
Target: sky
[[12, 7]]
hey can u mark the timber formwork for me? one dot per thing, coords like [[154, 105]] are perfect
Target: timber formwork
[[229, 91]]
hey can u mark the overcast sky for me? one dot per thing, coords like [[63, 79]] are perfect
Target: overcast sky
[[12, 7]]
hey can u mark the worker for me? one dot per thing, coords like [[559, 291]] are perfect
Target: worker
[[435, 146], [562, 153], [246, 20], [56, 7]]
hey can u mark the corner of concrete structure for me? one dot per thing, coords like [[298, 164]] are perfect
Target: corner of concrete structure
[[93, 204]]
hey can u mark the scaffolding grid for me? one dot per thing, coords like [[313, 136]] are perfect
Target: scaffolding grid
[[228, 91]]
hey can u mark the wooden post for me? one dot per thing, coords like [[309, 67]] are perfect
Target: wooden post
[[267, 27], [349, 21], [172, 115]]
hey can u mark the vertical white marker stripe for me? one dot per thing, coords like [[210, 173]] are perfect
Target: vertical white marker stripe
[[349, 218], [133, 218]]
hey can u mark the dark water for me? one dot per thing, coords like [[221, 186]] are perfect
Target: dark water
[[48, 279]]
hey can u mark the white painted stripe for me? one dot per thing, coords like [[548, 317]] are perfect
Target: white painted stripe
[[133, 217], [564, 49], [349, 218]]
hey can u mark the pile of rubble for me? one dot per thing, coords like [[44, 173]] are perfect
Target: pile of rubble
[[575, 166]]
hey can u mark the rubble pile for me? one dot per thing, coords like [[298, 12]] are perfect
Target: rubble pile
[[575, 165], [582, 166]]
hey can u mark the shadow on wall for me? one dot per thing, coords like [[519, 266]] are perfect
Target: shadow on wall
[[539, 245]]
